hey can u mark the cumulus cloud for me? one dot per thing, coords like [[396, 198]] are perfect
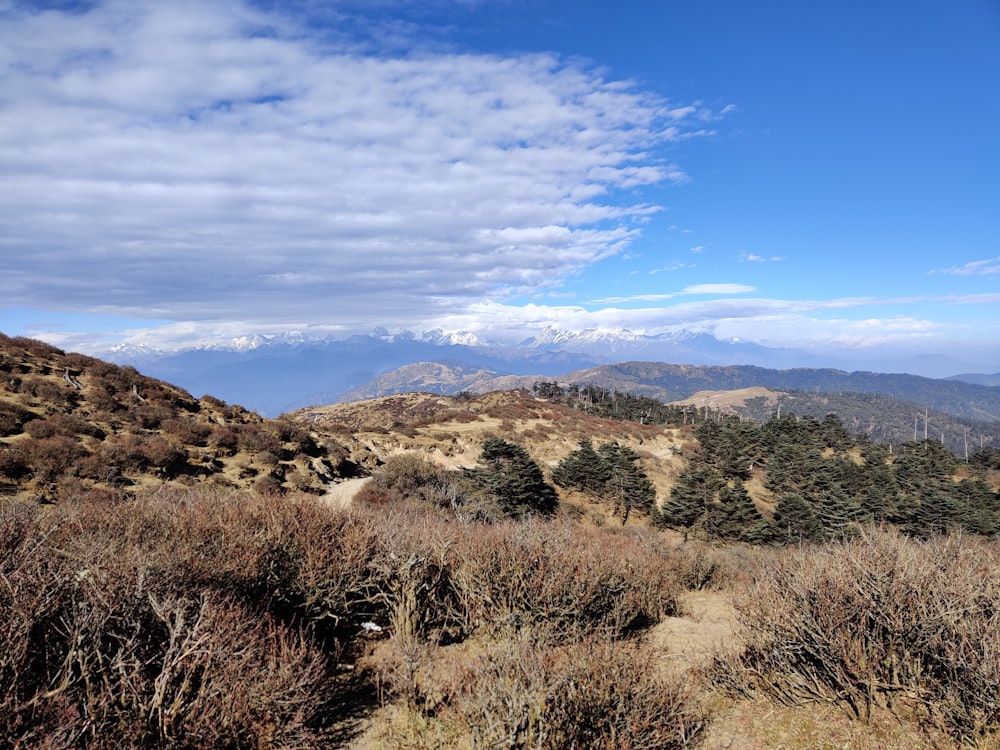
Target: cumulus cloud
[[210, 161]]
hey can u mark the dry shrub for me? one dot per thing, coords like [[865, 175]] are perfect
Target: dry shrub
[[533, 692], [883, 621], [99, 651], [700, 565], [13, 419], [62, 424], [188, 431], [224, 441], [50, 457], [288, 554], [410, 476], [255, 438], [564, 574], [196, 619]]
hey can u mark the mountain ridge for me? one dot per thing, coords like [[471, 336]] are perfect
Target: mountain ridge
[[275, 373], [886, 407]]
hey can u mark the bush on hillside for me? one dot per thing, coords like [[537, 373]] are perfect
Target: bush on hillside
[[877, 622], [97, 650], [530, 692]]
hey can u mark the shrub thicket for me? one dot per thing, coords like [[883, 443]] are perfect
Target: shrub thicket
[[187, 619], [882, 621], [529, 692]]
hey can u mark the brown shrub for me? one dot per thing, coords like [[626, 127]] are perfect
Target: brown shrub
[[46, 389], [410, 476], [188, 431], [102, 398], [51, 457], [268, 484], [148, 416], [99, 652], [62, 424], [13, 463], [13, 418], [255, 438], [191, 619], [876, 622], [533, 692], [223, 441], [562, 574]]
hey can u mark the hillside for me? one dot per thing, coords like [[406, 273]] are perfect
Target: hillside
[[669, 382], [391, 621], [71, 424], [450, 430], [883, 407], [882, 419]]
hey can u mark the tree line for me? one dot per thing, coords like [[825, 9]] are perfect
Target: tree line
[[825, 484]]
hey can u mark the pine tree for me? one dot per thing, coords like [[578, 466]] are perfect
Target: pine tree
[[627, 486], [936, 513], [735, 516], [582, 470], [609, 473], [691, 498], [838, 514], [795, 520], [509, 477]]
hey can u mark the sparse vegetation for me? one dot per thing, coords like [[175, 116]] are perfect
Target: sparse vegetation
[[71, 423], [183, 585]]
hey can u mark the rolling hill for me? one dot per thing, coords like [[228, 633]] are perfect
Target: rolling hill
[[76, 424], [887, 408]]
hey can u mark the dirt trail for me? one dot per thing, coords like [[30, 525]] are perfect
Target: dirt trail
[[340, 494]]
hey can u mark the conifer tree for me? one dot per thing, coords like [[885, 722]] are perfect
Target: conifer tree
[[582, 470], [795, 520], [609, 473], [691, 498], [734, 516], [627, 486], [509, 477]]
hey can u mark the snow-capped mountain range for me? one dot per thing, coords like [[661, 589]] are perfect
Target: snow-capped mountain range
[[273, 373]]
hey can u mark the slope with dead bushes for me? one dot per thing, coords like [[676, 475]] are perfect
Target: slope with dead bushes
[[71, 423]]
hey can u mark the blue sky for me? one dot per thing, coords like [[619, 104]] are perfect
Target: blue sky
[[810, 175]]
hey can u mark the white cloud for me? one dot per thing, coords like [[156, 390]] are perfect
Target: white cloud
[[975, 268], [806, 324], [747, 257], [208, 161], [694, 289], [718, 289], [675, 265], [772, 322]]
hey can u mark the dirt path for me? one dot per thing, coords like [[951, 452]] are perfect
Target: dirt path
[[340, 494]]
